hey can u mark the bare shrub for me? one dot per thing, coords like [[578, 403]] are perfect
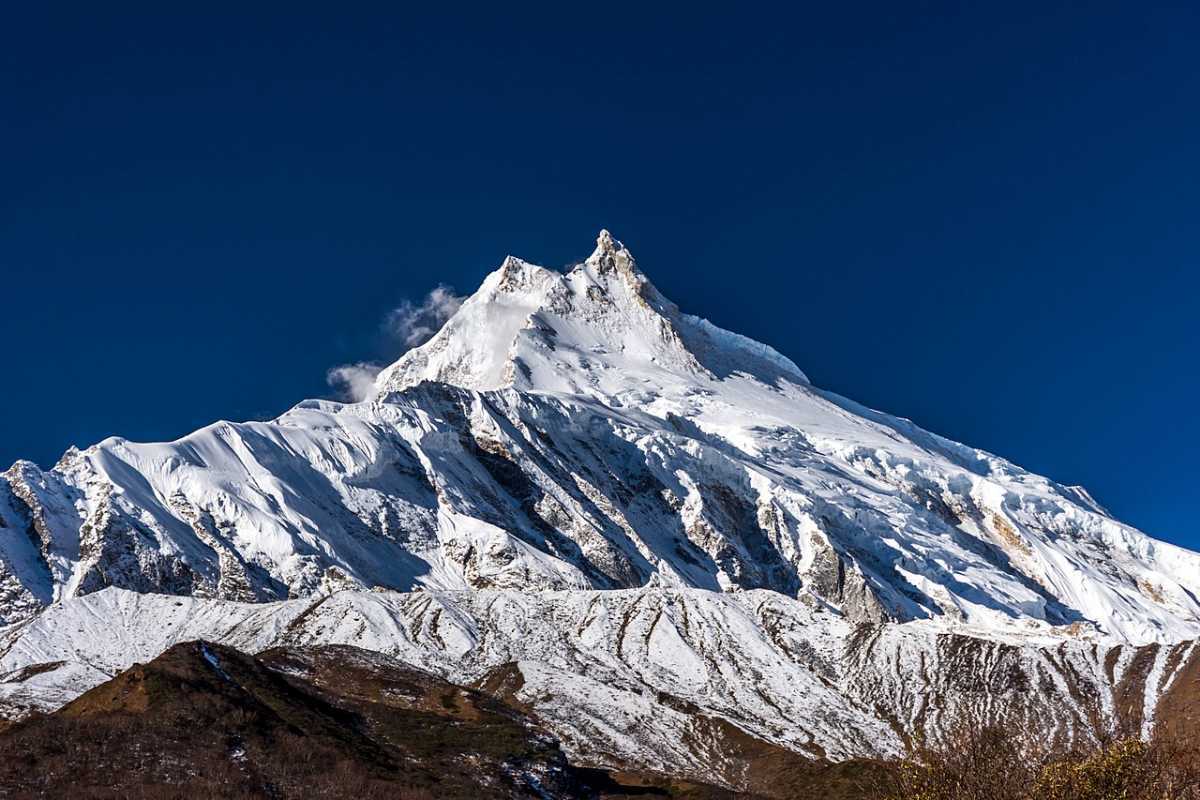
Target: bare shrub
[[1128, 769], [992, 762]]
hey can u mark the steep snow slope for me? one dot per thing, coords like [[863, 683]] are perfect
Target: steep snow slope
[[578, 431]]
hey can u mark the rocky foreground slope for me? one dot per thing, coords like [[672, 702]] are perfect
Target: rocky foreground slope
[[202, 720], [657, 530]]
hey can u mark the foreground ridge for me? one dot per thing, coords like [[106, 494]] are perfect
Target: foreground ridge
[[330, 722]]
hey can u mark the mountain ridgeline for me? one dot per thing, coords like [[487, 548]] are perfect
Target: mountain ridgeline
[[673, 542]]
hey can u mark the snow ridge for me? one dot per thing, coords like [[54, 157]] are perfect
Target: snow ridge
[[577, 434]]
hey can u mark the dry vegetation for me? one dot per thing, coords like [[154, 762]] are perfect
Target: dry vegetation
[[988, 762]]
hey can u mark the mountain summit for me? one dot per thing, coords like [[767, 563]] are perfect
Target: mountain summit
[[657, 534], [577, 430], [600, 330]]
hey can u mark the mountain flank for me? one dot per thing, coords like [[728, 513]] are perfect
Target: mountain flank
[[577, 541]]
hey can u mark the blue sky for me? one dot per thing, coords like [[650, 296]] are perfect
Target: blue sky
[[986, 221]]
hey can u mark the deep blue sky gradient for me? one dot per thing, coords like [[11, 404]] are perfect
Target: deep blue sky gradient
[[986, 221]]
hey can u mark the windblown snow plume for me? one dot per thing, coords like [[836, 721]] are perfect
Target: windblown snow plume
[[415, 324]]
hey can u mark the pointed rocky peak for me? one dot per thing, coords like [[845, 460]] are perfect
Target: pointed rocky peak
[[612, 260], [612, 257], [516, 276], [606, 244], [587, 332]]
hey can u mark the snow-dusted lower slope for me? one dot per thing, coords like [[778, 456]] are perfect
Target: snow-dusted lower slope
[[649, 678]]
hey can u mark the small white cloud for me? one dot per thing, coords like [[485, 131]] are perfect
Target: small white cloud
[[409, 325], [413, 325], [354, 382]]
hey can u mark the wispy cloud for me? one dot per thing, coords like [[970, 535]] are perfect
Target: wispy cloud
[[407, 326], [354, 382], [416, 324]]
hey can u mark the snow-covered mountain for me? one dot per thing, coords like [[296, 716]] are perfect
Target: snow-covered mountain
[[569, 433]]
